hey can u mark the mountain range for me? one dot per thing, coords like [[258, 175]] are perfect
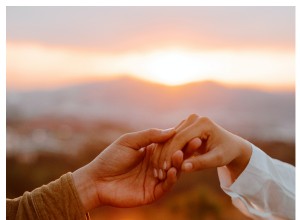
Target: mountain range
[[141, 104]]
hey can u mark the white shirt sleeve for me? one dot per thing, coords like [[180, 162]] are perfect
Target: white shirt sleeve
[[264, 190]]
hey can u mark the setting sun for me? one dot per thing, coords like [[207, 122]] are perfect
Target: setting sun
[[43, 66], [173, 67], [166, 45], [181, 66]]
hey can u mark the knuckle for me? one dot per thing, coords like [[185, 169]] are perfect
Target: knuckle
[[152, 131], [205, 124], [204, 120], [193, 117], [125, 137], [198, 164]]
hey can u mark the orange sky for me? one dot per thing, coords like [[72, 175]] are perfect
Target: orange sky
[[52, 46]]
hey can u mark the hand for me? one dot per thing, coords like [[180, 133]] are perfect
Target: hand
[[122, 175], [219, 147]]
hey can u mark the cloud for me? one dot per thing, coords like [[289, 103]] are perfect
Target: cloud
[[119, 29]]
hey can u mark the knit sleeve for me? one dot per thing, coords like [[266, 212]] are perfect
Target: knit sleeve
[[57, 200]]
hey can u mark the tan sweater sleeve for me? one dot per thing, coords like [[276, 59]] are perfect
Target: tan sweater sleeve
[[57, 200]]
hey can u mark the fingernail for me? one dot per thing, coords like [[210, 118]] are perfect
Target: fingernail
[[166, 131], [160, 174], [165, 165], [187, 166], [155, 173]]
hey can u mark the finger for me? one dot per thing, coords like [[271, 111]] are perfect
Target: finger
[[161, 174], [166, 185], [183, 124], [155, 173], [165, 163], [177, 159], [178, 127], [200, 128], [150, 148], [155, 157], [210, 159], [192, 147], [137, 140], [179, 141], [171, 179]]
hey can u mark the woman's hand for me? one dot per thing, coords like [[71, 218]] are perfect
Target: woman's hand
[[218, 148]]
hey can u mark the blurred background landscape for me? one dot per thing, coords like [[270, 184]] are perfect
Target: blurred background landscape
[[79, 77]]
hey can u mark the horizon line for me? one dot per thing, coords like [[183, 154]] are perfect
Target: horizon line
[[94, 80]]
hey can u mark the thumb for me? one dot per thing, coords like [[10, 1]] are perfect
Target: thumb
[[204, 161], [139, 139]]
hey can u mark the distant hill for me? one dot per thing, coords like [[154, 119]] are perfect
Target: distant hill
[[140, 104]]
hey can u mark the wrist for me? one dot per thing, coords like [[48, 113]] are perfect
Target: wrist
[[240, 162], [86, 189]]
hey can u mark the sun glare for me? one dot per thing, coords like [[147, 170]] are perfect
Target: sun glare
[[173, 67], [31, 65]]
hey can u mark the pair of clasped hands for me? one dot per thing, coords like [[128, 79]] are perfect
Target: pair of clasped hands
[[140, 167]]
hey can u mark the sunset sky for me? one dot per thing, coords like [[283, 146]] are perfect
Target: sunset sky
[[55, 46]]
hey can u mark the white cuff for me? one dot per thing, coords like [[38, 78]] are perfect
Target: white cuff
[[265, 188]]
